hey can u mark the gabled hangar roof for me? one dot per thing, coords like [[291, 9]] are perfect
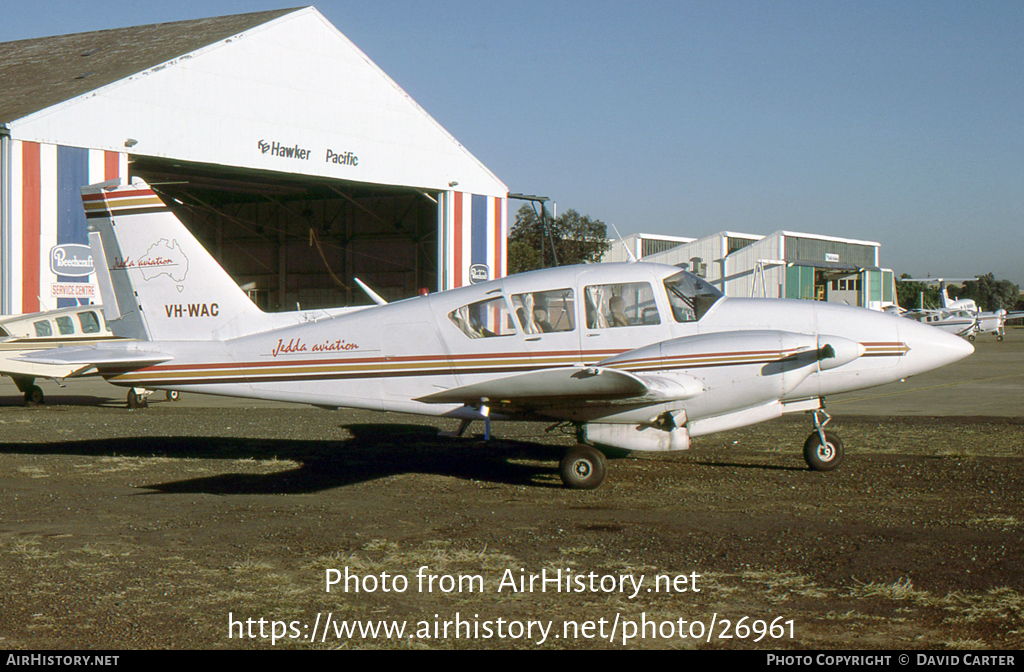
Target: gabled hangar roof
[[282, 91], [42, 72]]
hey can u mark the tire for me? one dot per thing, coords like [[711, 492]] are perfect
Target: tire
[[136, 399], [173, 395], [582, 468], [34, 395], [823, 458]]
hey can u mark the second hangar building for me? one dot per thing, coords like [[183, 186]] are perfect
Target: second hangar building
[[783, 264], [295, 159]]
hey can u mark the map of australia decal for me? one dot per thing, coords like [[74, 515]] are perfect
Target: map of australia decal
[[164, 258]]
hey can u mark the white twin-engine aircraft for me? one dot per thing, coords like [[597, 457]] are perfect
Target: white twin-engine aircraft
[[636, 356]]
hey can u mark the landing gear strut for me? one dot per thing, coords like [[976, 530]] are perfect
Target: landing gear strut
[[582, 467], [138, 397], [33, 393], [823, 451]]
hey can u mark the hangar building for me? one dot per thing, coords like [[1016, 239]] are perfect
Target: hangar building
[[640, 245], [787, 264], [295, 159]]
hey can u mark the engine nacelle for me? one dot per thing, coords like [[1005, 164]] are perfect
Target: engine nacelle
[[637, 437]]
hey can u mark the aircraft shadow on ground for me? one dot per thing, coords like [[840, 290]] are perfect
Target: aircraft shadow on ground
[[373, 452], [750, 465], [54, 399]]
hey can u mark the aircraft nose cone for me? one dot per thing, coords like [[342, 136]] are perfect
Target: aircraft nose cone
[[930, 348]]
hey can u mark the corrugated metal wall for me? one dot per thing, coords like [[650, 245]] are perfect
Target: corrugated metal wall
[[813, 249]]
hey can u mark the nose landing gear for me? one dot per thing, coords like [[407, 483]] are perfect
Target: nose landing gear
[[823, 451]]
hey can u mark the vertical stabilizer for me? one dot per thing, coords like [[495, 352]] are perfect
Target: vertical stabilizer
[[154, 275]]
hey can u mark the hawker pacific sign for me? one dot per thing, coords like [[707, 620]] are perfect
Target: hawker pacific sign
[[340, 157]]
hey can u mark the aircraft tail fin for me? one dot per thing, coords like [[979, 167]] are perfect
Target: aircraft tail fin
[[944, 294], [157, 281]]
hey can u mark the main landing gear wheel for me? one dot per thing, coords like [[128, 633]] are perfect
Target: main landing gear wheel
[[582, 468], [34, 395], [173, 395], [137, 399], [823, 456], [32, 392]]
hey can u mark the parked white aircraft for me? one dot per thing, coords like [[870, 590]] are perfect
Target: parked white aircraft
[[961, 316], [635, 356], [961, 322], [31, 332], [23, 334]]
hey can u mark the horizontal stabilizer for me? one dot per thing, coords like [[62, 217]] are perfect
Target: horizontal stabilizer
[[97, 356], [547, 385]]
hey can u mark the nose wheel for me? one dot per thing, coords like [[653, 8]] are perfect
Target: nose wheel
[[582, 468], [823, 451], [823, 456]]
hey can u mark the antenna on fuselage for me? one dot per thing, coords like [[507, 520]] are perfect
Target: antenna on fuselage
[[374, 296], [632, 257]]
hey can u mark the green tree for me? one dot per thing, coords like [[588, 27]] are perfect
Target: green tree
[[911, 295], [989, 293], [577, 239]]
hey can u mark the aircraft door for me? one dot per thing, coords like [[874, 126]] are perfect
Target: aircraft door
[[549, 327], [620, 317]]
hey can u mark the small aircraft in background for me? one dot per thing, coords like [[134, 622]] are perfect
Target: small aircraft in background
[[78, 325], [22, 334], [632, 356], [960, 316]]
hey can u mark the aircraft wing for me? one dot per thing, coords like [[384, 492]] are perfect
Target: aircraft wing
[[95, 356], [593, 383]]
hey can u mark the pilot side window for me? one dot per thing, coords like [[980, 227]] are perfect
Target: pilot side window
[[484, 319], [690, 296], [43, 328], [545, 312], [623, 305], [65, 325], [90, 323]]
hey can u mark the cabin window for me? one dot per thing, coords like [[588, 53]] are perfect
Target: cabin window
[[623, 305], [65, 325], [690, 296], [484, 319], [545, 312], [90, 323], [43, 328]]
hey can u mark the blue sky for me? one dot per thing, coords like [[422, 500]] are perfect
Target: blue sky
[[898, 122]]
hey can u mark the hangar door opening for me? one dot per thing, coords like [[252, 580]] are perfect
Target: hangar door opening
[[294, 241]]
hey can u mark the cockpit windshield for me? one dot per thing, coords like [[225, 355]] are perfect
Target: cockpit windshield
[[690, 296]]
